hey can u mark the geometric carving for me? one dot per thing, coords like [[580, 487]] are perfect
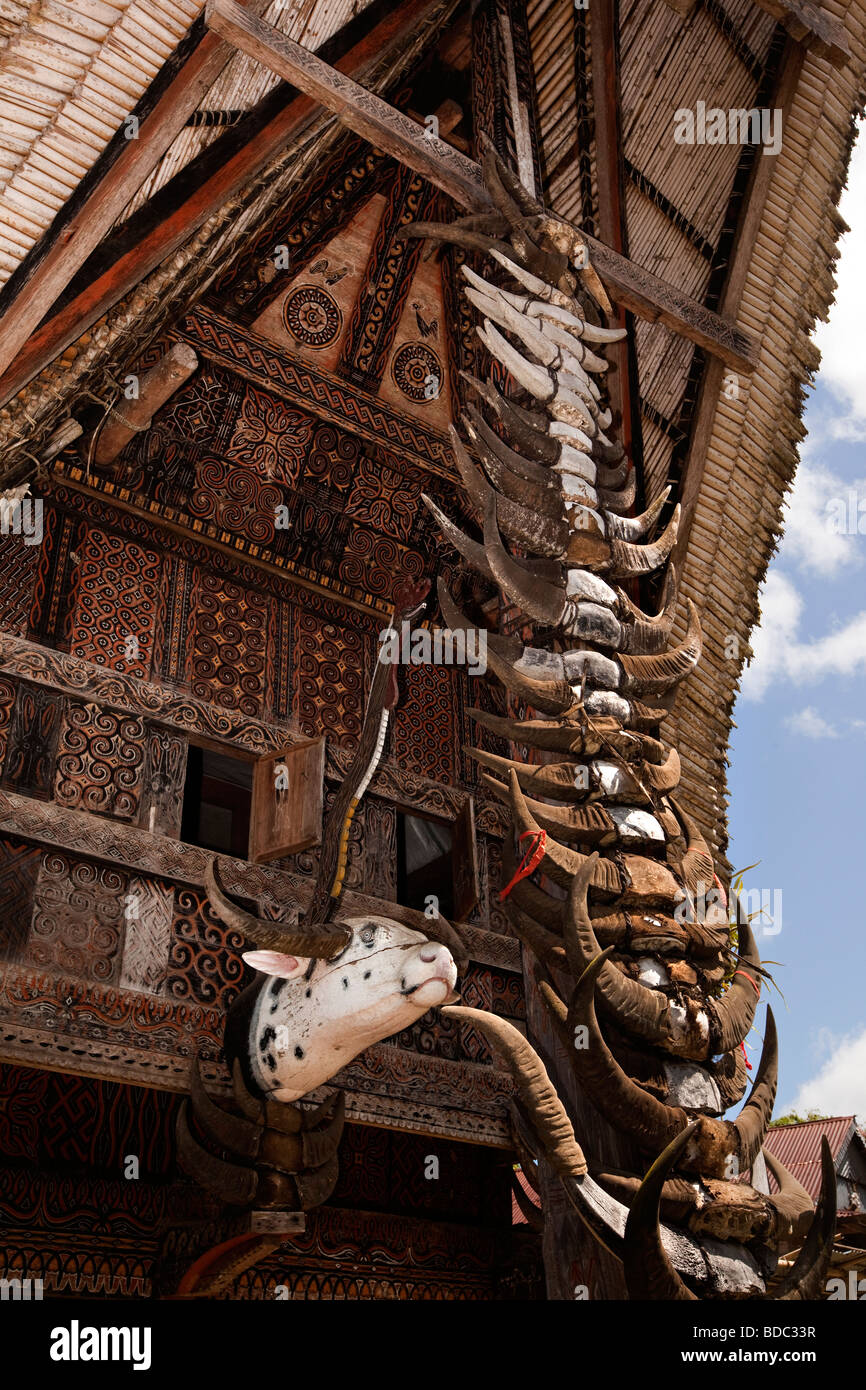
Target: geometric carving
[[227, 661], [204, 957], [99, 761], [19, 865], [312, 316], [271, 437], [7, 703], [147, 935], [425, 735], [29, 762], [117, 596], [77, 918], [17, 575], [164, 776], [332, 658], [417, 371]]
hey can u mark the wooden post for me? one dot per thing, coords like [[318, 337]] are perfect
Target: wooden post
[[129, 417]]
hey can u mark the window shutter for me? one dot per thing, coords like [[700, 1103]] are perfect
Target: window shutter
[[286, 812], [464, 862]]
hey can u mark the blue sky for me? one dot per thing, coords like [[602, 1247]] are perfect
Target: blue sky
[[798, 757]]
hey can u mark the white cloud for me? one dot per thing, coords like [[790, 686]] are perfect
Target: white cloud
[[810, 724], [779, 653], [840, 1086], [822, 519], [841, 339]]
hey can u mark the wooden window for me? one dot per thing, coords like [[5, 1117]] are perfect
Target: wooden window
[[438, 859], [257, 809]]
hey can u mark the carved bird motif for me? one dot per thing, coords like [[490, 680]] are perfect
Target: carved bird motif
[[425, 328]]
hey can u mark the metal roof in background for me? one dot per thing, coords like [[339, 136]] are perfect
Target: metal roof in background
[[799, 1148]]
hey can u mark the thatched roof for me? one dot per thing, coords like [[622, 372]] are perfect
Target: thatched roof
[[71, 73]]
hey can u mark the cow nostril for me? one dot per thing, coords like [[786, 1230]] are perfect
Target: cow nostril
[[429, 955]]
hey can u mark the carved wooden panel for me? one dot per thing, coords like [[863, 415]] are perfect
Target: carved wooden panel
[[226, 662], [19, 866], [8, 691], [100, 760], [426, 738], [17, 577], [78, 918], [380, 849], [118, 597], [332, 658], [32, 746], [148, 914], [204, 962], [164, 774]]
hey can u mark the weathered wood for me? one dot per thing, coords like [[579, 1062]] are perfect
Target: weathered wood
[[391, 130], [286, 812], [156, 386], [612, 225], [683, 7], [464, 859], [358, 109], [755, 199], [121, 182], [808, 24], [196, 205]]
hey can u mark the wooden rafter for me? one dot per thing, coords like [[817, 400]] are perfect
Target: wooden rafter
[[137, 158], [633, 287], [199, 203], [612, 227], [714, 373], [810, 25]]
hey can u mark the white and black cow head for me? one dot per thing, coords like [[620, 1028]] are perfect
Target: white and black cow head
[[311, 1017], [325, 992]]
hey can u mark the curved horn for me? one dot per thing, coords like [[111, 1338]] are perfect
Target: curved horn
[[604, 1216], [792, 1203], [654, 675], [620, 1100], [230, 1181], [516, 463], [807, 1277], [631, 528], [648, 1272], [470, 550], [543, 535], [696, 869], [642, 1011], [323, 944], [644, 635], [533, 440], [560, 863], [751, 1123], [546, 603], [733, 1015], [629, 560]]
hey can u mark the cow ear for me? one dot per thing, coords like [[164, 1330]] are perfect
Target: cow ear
[[275, 963]]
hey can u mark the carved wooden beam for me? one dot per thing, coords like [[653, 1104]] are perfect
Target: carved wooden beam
[[810, 25], [54, 264], [633, 287]]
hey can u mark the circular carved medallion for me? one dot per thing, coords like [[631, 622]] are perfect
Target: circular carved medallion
[[312, 316], [418, 372]]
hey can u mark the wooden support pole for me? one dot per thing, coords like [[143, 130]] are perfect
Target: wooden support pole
[[82, 232], [156, 386], [197, 206], [810, 25], [714, 372], [611, 201], [399, 136]]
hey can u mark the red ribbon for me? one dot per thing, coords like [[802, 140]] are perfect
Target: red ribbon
[[745, 1058], [530, 861], [747, 976]]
